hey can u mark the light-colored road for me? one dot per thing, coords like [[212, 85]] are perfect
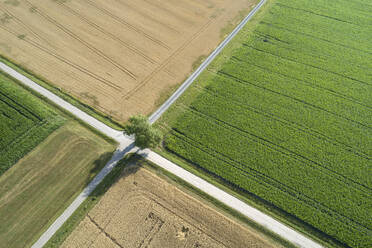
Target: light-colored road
[[126, 145], [156, 115], [231, 201], [123, 149], [108, 131]]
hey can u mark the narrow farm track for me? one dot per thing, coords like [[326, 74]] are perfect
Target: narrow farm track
[[156, 115], [126, 145]]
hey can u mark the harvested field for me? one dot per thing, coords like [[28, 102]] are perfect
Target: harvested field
[[145, 210], [119, 56]]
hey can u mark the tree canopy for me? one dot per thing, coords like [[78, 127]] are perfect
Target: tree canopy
[[145, 135]]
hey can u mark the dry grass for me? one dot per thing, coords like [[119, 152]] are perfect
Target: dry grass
[[144, 210], [116, 55]]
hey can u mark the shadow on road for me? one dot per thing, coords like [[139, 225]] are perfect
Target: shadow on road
[[127, 164]]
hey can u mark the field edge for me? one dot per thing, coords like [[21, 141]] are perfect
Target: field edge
[[106, 119]]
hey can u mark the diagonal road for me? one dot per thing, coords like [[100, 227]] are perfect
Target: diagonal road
[[126, 145], [250, 212], [108, 131], [156, 115]]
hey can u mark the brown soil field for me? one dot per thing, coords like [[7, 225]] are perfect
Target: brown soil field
[[145, 210], [122, 57]]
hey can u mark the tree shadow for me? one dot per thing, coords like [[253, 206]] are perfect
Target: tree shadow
[[127, 164], [99, 163]]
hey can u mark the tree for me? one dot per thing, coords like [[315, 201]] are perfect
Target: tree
[[145, 135]]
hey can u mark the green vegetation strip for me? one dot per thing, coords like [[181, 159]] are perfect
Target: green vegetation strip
[[25, 121], [286, 116]]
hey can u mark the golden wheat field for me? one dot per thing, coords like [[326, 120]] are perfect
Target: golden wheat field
[[145, 210], [120, 56]]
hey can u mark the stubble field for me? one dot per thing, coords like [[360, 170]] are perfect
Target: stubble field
[[134, 213], [121, 57]]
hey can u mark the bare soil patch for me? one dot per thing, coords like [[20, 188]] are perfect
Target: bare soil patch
[[118, 56], [144, 210]]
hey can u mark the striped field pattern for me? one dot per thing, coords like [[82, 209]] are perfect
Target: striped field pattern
[[288, 117], [24, 122]]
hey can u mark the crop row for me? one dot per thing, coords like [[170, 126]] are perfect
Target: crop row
[[288, 116], [345, 12], [302, 74], [314, 149], [310, 102], [317, 25], [25, 121], [330, 63], [278, 164], [236, 95], [298, 91], [14, 121], [297, 41], [293, 111], [340, 228]]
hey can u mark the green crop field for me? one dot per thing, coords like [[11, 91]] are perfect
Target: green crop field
[[286, 115], [25, 121]]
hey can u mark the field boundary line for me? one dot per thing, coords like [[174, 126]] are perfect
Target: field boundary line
[[53, 228], [156, 115]]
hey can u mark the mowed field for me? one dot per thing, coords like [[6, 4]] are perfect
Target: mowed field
[[134, 213], [286, 114], [120, 56], [46, 159]]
